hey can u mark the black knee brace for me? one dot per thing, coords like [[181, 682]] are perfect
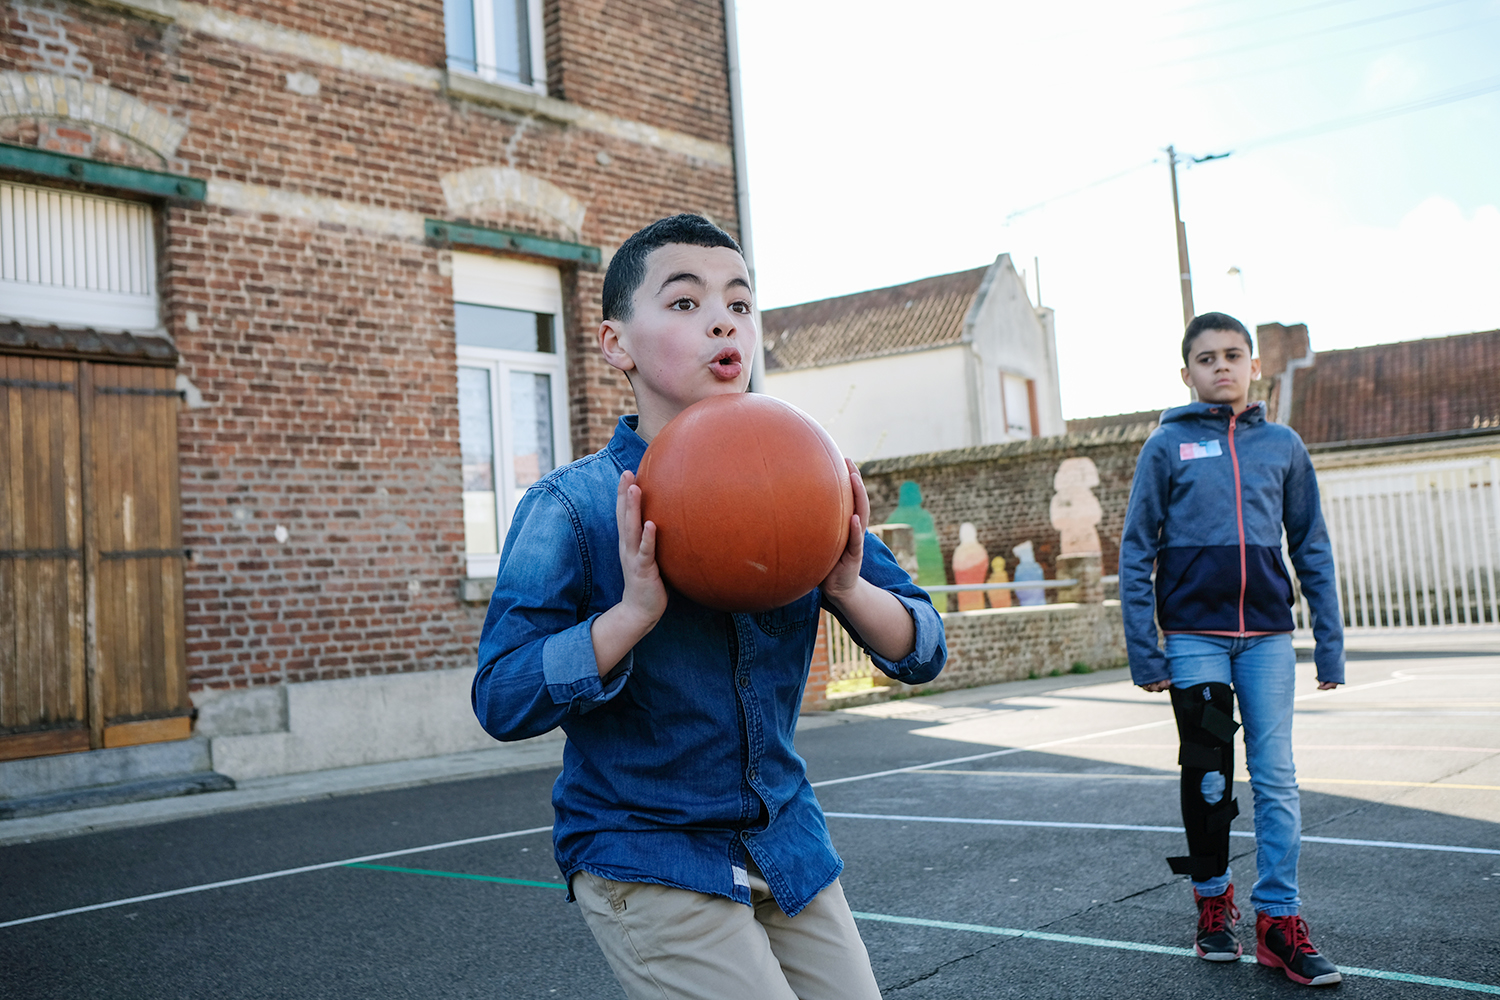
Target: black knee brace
[[1205, 727]]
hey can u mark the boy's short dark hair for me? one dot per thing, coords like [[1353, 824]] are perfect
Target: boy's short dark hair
[[627, 269], [1213, 321]]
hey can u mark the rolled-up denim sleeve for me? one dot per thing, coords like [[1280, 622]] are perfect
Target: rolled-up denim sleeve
[[536, 652], [926, 660]]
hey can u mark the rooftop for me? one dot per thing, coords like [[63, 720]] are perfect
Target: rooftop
[[1402, 390], [913, 316]]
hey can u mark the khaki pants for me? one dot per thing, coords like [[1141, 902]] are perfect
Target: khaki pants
[[674, 944]]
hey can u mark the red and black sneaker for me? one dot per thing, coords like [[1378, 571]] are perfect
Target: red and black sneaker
[[1216, 919], [1282, 943]]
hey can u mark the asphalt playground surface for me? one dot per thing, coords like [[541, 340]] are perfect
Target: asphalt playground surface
[[1005, 866]]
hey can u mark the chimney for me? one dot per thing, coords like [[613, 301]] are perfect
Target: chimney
[[1283, 349]]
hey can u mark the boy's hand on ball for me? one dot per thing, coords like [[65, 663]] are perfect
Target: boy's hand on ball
[[844, 576], [645, 595]]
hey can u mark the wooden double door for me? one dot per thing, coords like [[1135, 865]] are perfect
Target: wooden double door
[[91, 563]]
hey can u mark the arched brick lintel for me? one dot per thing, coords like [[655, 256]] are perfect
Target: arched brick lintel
[[466, 190], [45, 95]]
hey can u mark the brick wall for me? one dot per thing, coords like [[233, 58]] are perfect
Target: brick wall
[[1012, 644], [1006, 491], [318, 326], [997, 645], [661, 60]]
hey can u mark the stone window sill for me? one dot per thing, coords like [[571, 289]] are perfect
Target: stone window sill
[[472, 88]]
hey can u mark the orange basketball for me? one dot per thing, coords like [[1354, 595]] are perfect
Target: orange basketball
[[751, 502]]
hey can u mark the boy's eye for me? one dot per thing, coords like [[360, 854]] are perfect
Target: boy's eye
[[683, 305], [740, 307]]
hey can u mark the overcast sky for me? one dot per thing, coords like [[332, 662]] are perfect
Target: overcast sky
[[889, 142]]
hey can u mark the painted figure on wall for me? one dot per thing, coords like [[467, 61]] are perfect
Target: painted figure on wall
[[1075, 510], [1029, 569], [930, 572], [970, 560], [998, 598]]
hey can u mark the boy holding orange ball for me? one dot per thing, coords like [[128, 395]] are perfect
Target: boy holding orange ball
[[685, 824]]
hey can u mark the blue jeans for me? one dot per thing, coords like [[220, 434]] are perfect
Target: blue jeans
[[1262, 670]]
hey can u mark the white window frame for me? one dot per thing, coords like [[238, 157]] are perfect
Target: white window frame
[[512, 284], [484, 48], [77, 259], [1028, 392]]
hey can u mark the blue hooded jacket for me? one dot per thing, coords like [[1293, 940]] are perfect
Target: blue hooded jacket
[[1212, 492]]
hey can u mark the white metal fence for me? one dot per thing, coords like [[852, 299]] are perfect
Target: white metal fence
[[848, 665], [1415, 546]]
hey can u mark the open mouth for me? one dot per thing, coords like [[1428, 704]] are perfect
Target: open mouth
[[726, 364]]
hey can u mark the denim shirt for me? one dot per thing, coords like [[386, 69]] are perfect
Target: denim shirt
[[679, 762]]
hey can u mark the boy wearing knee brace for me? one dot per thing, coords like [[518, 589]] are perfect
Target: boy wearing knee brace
[[685, 824], [1215, 486]]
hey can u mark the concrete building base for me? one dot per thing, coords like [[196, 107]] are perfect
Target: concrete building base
[[321, 725], [40, 785]]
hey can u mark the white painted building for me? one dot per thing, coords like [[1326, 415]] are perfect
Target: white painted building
[[951, 361]]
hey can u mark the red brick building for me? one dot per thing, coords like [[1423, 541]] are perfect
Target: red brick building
[[365, 245]]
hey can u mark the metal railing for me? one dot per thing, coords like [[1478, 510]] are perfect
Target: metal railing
[[955, 588], [1414, 546]]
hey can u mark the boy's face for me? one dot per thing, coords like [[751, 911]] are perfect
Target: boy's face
[[691, 332], [1220, 368]]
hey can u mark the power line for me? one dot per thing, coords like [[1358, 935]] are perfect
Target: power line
[[1079, 190], [1338, 124], [1322, 59], [1233, 25], [1453, 96], [1329, 29]]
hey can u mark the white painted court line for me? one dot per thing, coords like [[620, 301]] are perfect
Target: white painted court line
[[1299, 747], [1242, 778], [1060, 825], [990, 755], [226, 883], [1156, 949]]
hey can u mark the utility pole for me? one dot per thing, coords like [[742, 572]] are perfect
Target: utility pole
[[1185, 272]]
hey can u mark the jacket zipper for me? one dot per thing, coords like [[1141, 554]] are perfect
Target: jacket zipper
[[1239, 515]]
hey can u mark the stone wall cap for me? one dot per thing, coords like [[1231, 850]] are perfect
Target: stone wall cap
[[1010, 450]]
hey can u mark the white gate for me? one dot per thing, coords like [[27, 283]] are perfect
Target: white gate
[[1415, 546]]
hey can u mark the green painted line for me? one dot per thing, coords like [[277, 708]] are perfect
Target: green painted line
[[1011, 932], [473, 878], [1406, 977]]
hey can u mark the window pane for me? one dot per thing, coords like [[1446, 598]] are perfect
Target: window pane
[[458, 22], [531, 426], [503, 329], [476, 441], [512, 41]]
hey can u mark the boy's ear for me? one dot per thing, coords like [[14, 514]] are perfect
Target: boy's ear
[[1255, 368], [1188, 381], [613, 350]]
